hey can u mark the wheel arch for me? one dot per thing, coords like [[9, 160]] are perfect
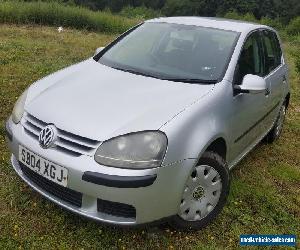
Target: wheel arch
[[218, 146]]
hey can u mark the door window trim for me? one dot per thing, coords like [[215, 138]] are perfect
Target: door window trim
[[264, 48], [260, 31], [240, 52]]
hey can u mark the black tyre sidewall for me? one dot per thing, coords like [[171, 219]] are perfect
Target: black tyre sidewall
[[271, 136]]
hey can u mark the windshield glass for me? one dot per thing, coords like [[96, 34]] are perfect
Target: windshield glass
[[173, 52]]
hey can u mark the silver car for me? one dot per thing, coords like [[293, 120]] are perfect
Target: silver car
[[149, 128]]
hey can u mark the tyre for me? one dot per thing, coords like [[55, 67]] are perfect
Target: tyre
[[205, 193], [278, 125]]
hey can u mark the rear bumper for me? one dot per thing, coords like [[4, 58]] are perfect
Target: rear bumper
[[152, 193]]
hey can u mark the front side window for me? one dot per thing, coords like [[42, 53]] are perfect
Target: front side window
[[173, 52], [250, 61], [272, 51]]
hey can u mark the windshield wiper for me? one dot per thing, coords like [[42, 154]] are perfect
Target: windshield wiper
[[192, 80]]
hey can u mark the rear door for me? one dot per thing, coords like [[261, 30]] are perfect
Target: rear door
[[275, 74]]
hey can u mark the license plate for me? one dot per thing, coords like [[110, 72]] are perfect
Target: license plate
[[43, 167]]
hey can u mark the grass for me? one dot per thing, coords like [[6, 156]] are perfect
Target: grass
[[265, 188], [57, 14]]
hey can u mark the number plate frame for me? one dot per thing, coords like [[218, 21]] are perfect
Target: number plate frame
[[43, 167]]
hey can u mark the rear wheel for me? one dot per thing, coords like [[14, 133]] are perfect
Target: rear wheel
[[204, 194], [278, 125]]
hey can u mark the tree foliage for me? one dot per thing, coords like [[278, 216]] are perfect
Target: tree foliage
[[284, 10]]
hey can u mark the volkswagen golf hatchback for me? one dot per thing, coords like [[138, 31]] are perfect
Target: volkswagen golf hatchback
[[149, 128]]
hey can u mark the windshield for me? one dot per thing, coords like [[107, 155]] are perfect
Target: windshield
[[173, 52]]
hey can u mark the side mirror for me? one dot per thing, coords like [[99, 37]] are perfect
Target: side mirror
[[251, 84], [98, 50]]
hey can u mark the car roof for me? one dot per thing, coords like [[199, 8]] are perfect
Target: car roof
[[211, 22]]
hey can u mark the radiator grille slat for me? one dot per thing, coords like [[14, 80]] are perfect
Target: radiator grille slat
[[32, 129], [67, 142]]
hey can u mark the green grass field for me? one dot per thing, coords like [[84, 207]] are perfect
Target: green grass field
[[58, 14], [265, 188]]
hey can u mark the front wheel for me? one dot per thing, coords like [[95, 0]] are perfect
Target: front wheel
[[204, 194]]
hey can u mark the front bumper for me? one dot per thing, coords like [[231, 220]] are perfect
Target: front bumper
[[158, 198]]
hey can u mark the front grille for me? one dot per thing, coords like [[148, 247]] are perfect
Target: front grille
[[63, 193], [66, 142], [116, 209]]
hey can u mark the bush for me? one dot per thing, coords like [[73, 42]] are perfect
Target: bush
[[297, 63], [62, 15], [181, 8], [274, 23], [247, 17], [294, 26], [293, 50], [232, 15], [139, 12]]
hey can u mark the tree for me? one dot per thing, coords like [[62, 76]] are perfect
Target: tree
[[284, 10]]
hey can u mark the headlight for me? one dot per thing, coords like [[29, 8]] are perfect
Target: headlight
[[137, 150], [18, 110]]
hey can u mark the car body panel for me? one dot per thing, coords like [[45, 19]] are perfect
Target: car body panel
[[118, 102]]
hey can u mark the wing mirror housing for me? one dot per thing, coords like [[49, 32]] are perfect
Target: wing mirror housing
[[251, 84], [98, 50]]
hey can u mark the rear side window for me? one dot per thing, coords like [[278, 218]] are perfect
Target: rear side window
[[272, 51], [278, 52]]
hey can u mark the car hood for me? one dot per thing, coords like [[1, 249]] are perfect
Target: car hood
[[99, 102]]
